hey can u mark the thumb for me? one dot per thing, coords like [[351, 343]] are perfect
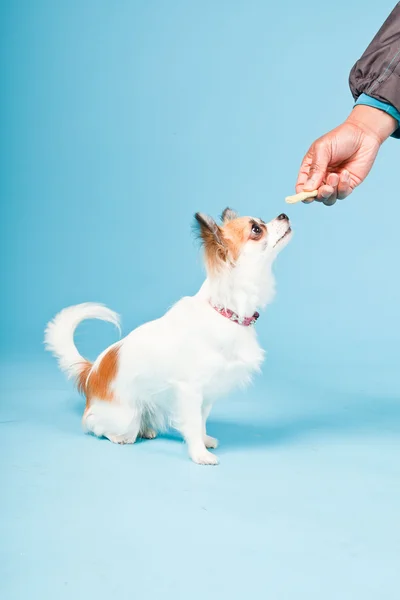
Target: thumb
[[320, 159]]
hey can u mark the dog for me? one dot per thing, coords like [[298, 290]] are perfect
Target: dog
[[168, 372]]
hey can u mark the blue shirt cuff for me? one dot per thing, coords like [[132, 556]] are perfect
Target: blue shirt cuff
[[366, 100]]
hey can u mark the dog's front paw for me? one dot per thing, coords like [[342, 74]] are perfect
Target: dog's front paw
[[121, 439], [210, 442], [204, 458]]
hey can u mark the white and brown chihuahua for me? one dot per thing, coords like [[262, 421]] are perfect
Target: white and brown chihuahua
[[168, 372]]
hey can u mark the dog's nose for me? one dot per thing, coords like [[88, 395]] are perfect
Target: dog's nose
[[283, 217]]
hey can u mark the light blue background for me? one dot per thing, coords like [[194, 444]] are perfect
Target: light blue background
[[118, 121]]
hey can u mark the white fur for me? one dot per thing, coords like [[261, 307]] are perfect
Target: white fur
[[171, 370], [59, 334]]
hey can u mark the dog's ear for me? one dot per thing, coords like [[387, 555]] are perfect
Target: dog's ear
[[228, 215], [207, 229], [211, 235]]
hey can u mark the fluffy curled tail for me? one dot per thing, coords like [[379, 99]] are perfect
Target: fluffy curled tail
[[59, 335]]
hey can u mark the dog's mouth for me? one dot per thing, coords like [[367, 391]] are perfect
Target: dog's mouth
[[287, 232]]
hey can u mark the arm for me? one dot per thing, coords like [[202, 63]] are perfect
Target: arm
[[340, 160], [374, 79]]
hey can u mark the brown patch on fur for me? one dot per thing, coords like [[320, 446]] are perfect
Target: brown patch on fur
[[236, 234], [96, 383], [238, 231], [82, 377], [224, 243]]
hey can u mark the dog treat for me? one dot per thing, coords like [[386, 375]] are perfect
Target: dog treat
[[301, 196]]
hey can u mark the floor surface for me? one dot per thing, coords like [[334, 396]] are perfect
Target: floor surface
[[304, 504]]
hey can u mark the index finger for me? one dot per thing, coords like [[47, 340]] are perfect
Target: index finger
[[302, 177], [303, 173], [301, 180]]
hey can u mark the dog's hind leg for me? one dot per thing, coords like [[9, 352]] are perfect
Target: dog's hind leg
[[117, 422], [147, 433]]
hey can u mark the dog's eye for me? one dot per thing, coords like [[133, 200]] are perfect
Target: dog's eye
[[256, 229]]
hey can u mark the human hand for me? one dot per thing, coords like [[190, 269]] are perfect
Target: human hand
[[340, 160]]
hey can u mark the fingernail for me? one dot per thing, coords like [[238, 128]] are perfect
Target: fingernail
[[345, 176], [327, 193], [334, 180]]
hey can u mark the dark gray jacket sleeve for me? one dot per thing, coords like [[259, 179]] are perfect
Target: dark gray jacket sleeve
[[377, 72]]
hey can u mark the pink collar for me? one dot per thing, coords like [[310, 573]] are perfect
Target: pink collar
[[229, 314]]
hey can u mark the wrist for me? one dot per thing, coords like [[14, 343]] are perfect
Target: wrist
[[373, 121]]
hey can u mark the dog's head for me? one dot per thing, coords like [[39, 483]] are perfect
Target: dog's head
[[239, 253], [241, 242]]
